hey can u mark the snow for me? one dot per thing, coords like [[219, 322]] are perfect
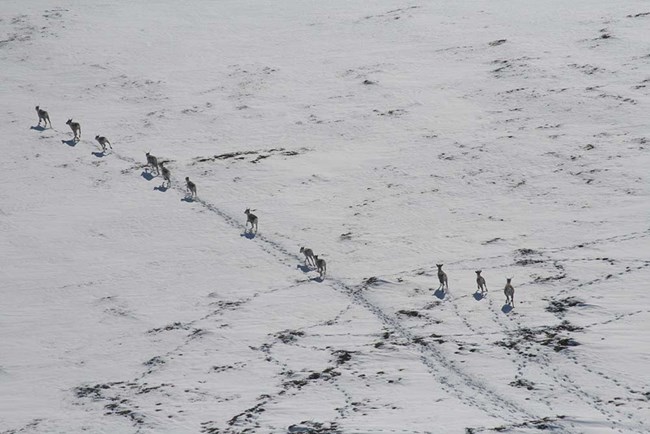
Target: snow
[[388, 137]]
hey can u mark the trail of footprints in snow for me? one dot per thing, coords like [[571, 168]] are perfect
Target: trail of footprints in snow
[[251, 415], [563, 380], [248, 415], [429, 355], [454, 381], [616, 238], [351, 405], [523, 360], [427, 270], [126, 408], [574, 358], [520, 364], [194, 333], [560, 379], [602, 279], [544, 362]]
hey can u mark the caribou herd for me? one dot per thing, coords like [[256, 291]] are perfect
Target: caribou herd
[[251, 219]]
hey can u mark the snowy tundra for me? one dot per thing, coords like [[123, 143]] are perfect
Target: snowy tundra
[[389, 136]]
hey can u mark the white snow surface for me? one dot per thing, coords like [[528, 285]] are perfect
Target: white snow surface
[[388, 136]]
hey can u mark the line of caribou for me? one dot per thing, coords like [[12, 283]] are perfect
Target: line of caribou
[[310, 258], [160, 169], [481, 285]]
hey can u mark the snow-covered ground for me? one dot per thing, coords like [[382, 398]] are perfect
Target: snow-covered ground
[[388, 136]]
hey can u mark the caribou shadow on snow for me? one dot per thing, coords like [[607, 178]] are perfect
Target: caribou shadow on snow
[[478, 296], [147, 175], [249, 235], [71, 142], [37, 128], [506, 308], [189, 199], [161, 188], [101, 154], [440, 294], [303, 268]]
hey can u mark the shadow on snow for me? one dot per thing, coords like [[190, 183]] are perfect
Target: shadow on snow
[[303, 268], [147, 175]]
